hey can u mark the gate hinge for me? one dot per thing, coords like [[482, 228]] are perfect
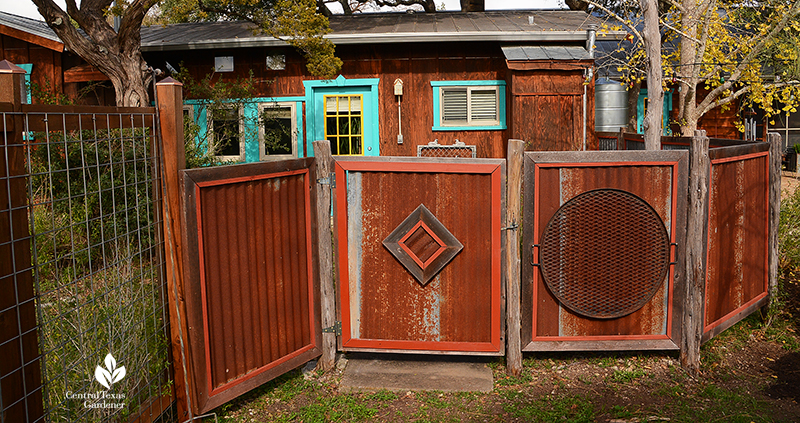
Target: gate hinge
[[336, 328], [328, 180]]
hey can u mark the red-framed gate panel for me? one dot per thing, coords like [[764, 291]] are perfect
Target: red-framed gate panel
[[554, 181], [738, 246], [388, 304], [250, 283]]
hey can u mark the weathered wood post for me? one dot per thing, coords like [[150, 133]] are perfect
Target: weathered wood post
[[169, 100], [20, 369], [621, 139], [516, 148], [324, 163], [775, 147], [695, 259]]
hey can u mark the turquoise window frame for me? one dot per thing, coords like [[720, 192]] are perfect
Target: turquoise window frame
[[27, 67], [501, 105], [252, 146], [665, 115], [315, 109]]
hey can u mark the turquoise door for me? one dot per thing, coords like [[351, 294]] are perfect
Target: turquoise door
[[345, 112]]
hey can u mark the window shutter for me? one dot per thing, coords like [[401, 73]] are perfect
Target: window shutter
[[454, 105], [483, 105]]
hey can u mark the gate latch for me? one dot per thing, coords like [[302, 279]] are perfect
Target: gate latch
[[336, 328], [328, 180]]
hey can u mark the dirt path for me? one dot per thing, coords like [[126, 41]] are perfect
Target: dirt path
[[789, 183]]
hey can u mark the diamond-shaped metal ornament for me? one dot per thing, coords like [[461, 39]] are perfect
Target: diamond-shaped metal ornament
[[422, 244]]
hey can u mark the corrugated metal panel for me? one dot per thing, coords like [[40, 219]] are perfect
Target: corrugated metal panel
[[737, 236], [256, 279], [249, 275], [518, 53], [383, 305]]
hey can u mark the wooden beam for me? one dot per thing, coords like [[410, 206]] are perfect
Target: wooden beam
[[83, 73], [169, 98], [695, 258], [31, 38], [324, 164], [516, 148], [775, 150]]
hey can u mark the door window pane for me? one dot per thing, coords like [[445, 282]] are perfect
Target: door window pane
[[343, 123]]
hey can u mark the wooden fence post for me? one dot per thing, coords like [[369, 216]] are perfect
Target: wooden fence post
[[20, 369], [169, 98], [775, 150], [324, 164], [516, 148], [695, 259]]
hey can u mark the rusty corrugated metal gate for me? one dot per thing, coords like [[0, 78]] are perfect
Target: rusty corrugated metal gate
[[419, 263], [252, 298], [738, 246], [419, 254], [601, 234]]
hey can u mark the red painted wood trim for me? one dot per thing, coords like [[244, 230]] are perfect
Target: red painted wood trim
[[598, 338], [251, 178], [260, 370], [724, 318], [341, 221], [673, 239], [421, 167], [421, 345], [740, 158], [414, 255]]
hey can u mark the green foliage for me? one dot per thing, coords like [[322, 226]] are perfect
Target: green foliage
[[789, 233], [294, 21]]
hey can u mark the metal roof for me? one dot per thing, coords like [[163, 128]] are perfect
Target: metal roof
[[371, 28], [516, 53], [31, 26]]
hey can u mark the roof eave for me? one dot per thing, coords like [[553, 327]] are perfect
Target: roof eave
[[398, 37]]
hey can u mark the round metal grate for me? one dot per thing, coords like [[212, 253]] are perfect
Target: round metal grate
[[604, 253]]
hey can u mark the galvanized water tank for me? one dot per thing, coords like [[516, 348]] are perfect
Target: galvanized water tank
[[610, 105]]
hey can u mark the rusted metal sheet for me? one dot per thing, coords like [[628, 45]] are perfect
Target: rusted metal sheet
[[552, 180], [737, 274], [383, 305], [250, 270]]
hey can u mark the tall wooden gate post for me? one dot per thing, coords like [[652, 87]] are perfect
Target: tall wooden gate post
[[324, 163], [169, 97], [695, 259], [20, 371], [775, 147], [516, 148]]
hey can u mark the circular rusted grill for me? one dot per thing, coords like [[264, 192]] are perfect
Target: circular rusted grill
[[604, 253]]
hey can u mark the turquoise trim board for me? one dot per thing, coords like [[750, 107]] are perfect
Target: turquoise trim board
[[252, 149], [27, 67], [437, 108], [665, 118], [315, 109]]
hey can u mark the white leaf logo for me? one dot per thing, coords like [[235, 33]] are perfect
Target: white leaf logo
[[111, 374]]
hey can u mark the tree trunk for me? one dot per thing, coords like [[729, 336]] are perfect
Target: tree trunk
[[633, 107], [117, 54], [687, 94], [655, 90], [473, 5]]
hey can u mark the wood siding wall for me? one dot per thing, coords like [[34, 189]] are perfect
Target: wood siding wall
[[417, 65], [47, 67]]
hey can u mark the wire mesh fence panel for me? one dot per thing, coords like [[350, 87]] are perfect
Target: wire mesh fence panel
[[93, 197], [457, 149]]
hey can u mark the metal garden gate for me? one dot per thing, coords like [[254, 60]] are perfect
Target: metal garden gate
[[419, 254], [601, 234], [252, 295]]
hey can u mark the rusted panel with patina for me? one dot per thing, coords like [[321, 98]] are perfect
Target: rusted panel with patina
[[250, 274], [552, 180], [737, 236], [383, 305]]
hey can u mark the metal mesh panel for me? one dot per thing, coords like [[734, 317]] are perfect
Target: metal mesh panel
[[604, 253], [93, 199], [434, 149]]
